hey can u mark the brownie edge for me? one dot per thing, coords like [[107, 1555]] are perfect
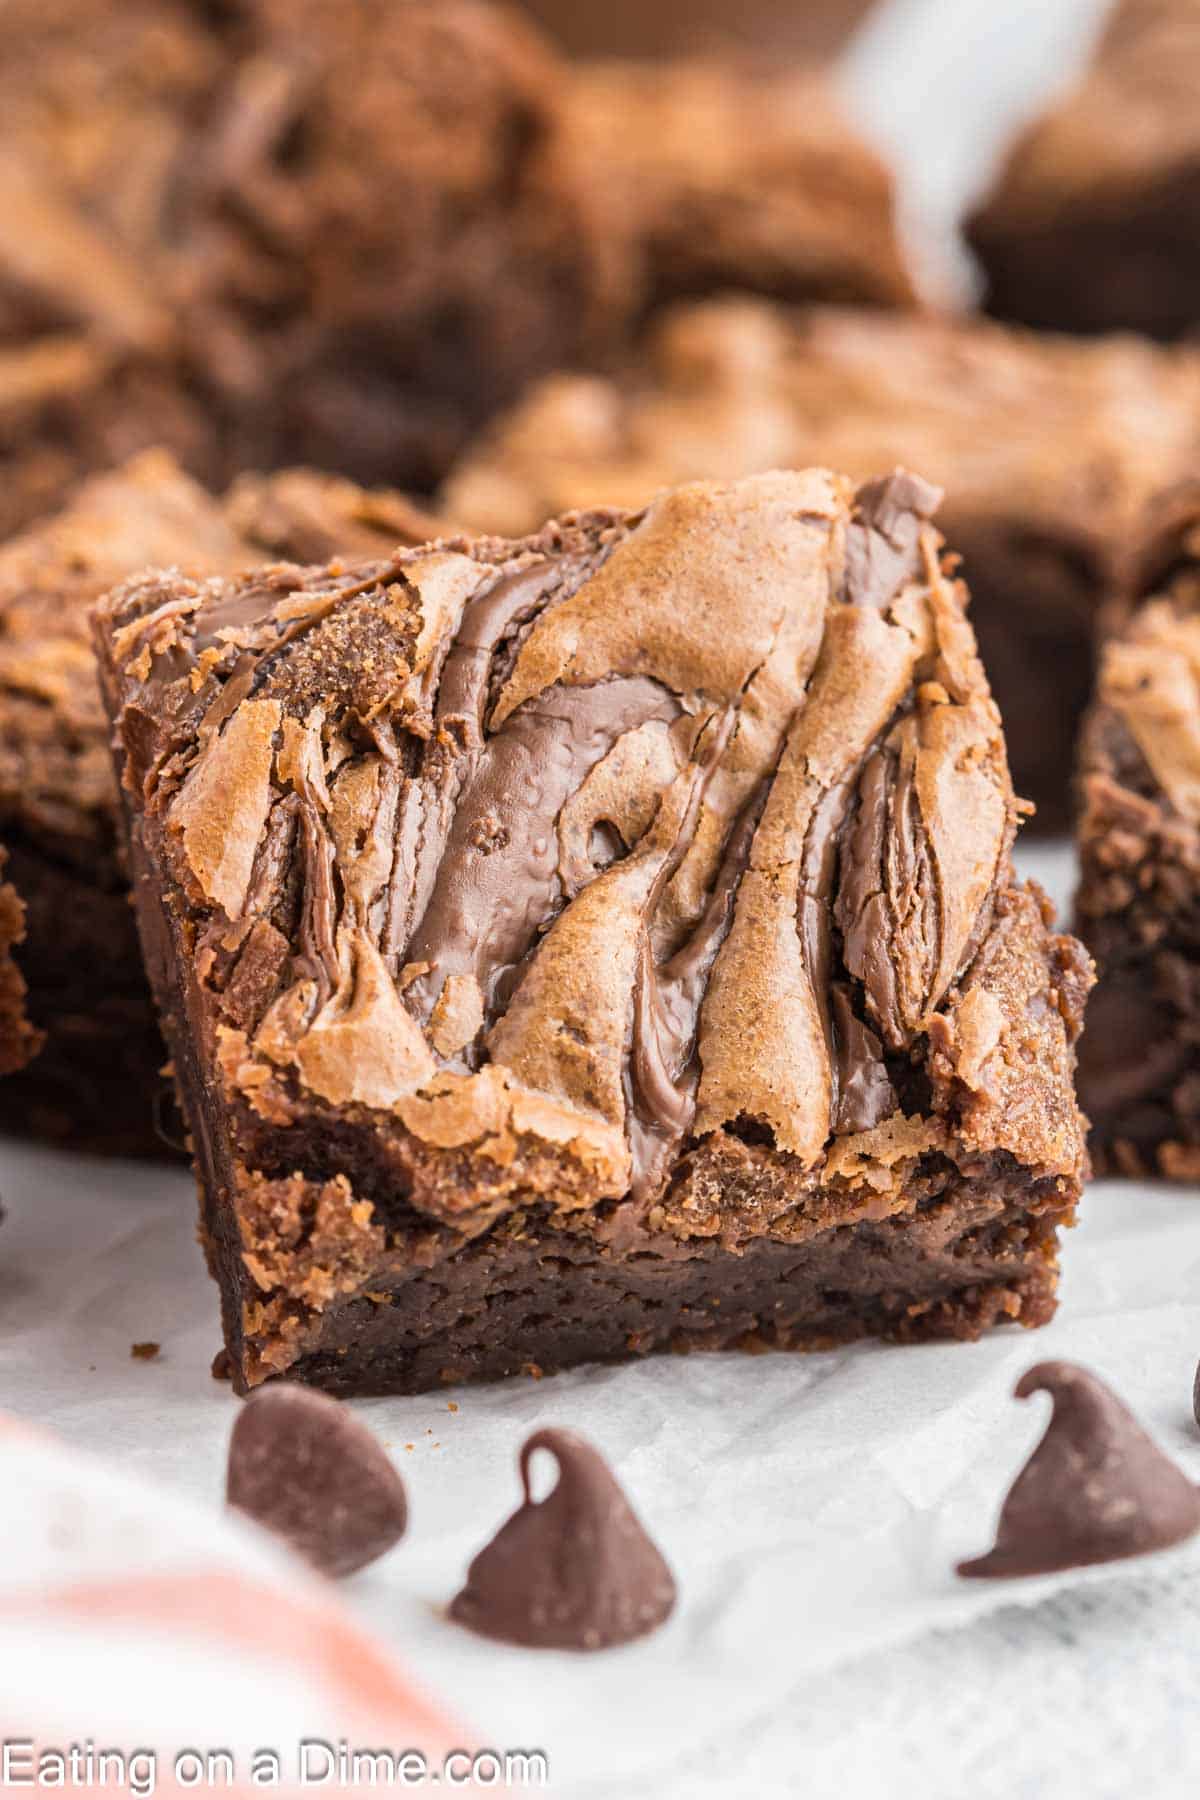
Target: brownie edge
[[1139, 858], [598, 942]]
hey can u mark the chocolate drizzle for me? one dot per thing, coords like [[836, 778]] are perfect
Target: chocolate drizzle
[[575, 1571], [1097, 1489]]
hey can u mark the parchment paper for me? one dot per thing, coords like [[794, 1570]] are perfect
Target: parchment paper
[[812, 1506]]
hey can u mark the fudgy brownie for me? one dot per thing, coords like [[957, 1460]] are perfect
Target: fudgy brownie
[[599, 942], [1091, 225], [96, 1081], [1048, 449], [1138, 905], [717, 173], [342, 231]]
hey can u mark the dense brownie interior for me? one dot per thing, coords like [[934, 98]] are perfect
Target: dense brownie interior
[[563, 941]]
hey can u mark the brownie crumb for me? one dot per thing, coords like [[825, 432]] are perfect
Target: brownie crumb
[[145, 1352]]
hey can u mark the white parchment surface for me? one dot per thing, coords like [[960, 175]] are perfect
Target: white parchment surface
[[813, 1507]]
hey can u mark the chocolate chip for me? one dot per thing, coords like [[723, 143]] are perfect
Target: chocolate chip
[[302, 1465], [575, 1571], [1095, 1490]]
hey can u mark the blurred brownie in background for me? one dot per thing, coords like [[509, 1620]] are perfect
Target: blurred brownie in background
[[1138, 905], [346, 231], [100, 107], [666, 27], [721, 173], [1094, 223], [96, 1082], [1049, 447]]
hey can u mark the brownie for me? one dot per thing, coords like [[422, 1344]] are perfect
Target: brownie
[[347, 231], [718, 172], [1048, 448], [96, 1083], [1139, 845], [598, 942], [99, 107], [659, 27], [1091, 224], [19, 1039], [306, 516]]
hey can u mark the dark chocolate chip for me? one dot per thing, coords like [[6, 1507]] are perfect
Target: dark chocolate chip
[[302, 1465], [1095, 1490], [575, 1571]]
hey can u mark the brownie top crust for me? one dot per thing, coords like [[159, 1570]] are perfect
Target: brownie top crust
[[1149, 674], [56, 786], [1071, 436], [559, 853]]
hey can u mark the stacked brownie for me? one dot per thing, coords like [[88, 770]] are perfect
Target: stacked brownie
[[598, 942], [1139, 839], [1048, 449]]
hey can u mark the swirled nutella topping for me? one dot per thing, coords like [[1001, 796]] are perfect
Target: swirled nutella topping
[[578, 851], [1096, 1489], [575, 1571]]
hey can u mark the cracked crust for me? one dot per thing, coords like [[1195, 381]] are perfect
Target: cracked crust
[[788, 995], [730, 387], [1139, 844], [1106, 181]]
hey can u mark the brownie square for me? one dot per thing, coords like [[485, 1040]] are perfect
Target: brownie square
[[1139, 845], [1048, 449], [1091, 224], [599, 942], [97, 1082]]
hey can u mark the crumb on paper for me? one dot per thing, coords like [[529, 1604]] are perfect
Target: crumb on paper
[[222, 1366], [533, 1370], [410, 1446], [145, 1352], [452, 1406]]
